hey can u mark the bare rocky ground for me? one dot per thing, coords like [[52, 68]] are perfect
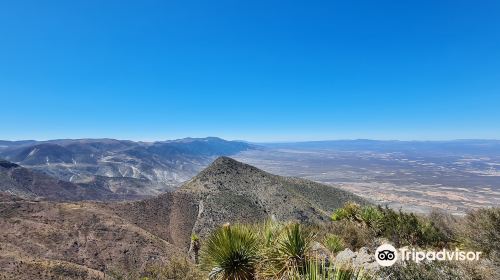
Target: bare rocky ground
[[73, 239]]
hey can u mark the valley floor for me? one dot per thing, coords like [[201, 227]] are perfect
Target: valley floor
[[416, 183]]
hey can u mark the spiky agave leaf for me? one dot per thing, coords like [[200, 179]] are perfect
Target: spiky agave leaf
[[288, 256], [231, 253]]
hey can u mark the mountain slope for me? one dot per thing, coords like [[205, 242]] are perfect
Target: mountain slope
[[231, 191], [47, 240], [27, 183], [152, 168]]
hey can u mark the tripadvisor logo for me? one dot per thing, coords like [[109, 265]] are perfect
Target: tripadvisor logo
[[387, 255]]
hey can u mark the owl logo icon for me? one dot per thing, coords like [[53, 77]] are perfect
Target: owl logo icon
[[386, 255]]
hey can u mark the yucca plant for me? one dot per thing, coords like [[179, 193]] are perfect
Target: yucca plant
[[289, 255], [269, 232], [231, 253], [195, 246]]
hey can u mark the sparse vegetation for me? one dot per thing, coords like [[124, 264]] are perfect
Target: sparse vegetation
[[399, 227], [279, 250], [178, 269], [284, 250], [481, 231], [334, 243], [270, 251], [319, 270]]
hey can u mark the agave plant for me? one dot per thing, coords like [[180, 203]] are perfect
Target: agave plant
[[231, 253], [288, 255], [269, 232]]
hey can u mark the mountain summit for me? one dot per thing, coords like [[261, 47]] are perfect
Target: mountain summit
[[231, 191]]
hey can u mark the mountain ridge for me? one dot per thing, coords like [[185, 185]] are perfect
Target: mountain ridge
[[145, 169], [231, 191]]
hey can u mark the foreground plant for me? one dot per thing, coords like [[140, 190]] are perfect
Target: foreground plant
[[334, 243], [399, 227], [231, 253], [289, 254], [320, 270]]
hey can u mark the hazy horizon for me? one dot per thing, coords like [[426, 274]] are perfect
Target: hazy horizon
[[257, 142]]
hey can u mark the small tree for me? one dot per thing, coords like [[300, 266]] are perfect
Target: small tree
[[195, 246]]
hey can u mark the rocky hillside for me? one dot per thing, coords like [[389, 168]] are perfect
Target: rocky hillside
[[231, 191], [47, 240], [27, 183]]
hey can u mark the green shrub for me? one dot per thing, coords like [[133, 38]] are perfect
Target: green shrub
[[481, 231], [446, 223], [354, 234], [269, 232], [399, 227], [408, 229], [350, 211], [334, 243], [372, 216]]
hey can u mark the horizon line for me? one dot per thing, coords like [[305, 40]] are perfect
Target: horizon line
[[257, 142]]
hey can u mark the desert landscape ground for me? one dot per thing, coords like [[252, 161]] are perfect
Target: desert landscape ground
[[415, 181], [112, 227]]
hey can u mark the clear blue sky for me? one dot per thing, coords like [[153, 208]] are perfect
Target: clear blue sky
[[254, 70]]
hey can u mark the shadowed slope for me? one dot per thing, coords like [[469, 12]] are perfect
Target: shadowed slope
[[27, 183]]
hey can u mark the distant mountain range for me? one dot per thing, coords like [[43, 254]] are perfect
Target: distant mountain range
[[124, 168], [85, 239], [103, 169]]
